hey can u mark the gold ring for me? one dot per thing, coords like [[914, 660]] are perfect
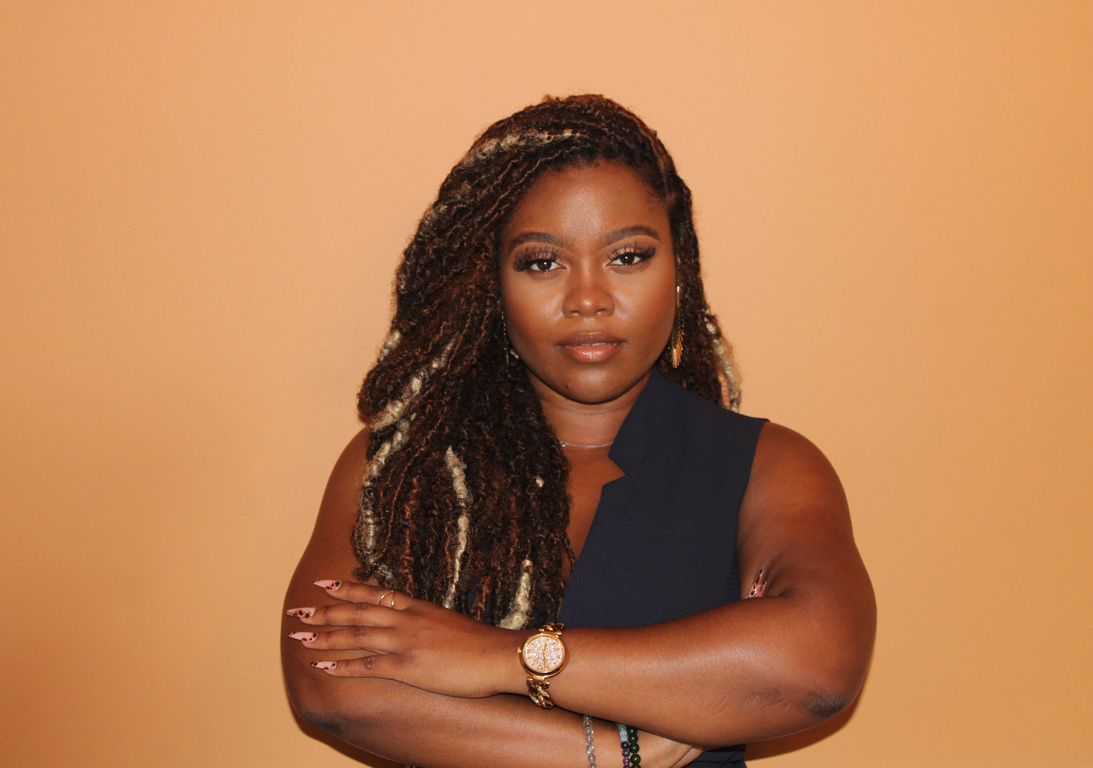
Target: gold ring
[[385, 594]]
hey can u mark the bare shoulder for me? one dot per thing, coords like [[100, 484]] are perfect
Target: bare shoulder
[[789, 469], [343, 490], [350, 464]]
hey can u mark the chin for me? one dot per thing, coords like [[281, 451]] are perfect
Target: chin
[[596, 387]]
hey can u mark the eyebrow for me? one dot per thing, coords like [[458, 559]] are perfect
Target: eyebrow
[[536, 237], [620, 234], [607, 239]]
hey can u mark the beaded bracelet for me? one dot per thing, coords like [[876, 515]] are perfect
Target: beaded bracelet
[[628, 738], [589, 746]]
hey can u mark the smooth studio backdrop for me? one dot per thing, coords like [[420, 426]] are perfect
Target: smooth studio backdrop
[[201, 207]]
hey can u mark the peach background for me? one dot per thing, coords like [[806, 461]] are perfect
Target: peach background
[[200, 211]]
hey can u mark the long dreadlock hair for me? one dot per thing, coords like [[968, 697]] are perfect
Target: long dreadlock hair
[[464, 497]]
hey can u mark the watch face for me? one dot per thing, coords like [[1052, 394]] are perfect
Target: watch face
[[544, 653]]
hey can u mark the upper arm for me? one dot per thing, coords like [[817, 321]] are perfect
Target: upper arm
[[329, 552], [795, 526], [329, 555]]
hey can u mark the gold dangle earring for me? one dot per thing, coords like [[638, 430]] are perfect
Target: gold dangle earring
[[675, 342]]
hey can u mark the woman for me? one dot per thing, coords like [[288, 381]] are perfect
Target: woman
[[544, 422]]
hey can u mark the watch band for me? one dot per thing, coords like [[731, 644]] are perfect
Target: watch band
[[538, 693]]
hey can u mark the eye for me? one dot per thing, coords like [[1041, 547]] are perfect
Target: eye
[[629, 255], [545, 260]]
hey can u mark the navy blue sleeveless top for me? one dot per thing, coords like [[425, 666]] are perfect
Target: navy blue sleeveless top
[[663, 541]]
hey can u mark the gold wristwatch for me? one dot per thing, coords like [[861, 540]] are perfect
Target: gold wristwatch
[[543, 655]]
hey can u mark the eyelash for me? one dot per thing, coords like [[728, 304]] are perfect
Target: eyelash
[[640, 254], [525, 261]]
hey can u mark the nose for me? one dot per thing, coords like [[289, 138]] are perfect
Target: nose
[[588, 294]]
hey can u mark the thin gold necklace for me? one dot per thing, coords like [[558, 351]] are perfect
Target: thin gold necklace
[[574, 445]]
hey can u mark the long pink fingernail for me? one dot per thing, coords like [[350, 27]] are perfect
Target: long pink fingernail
[[302, 613], [327, 665], [327, 584], [305, 637]]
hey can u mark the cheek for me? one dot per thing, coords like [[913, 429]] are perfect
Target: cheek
[[525, 313], [655, 308]]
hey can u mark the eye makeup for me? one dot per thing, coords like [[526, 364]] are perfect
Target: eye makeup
[[542, 259], [631, 254], [535, 260]]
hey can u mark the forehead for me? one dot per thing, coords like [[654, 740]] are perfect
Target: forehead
[[607, 191]]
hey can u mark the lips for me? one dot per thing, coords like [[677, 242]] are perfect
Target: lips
[[590, 346]]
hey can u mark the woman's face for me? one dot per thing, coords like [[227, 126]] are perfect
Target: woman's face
[[588, 282]]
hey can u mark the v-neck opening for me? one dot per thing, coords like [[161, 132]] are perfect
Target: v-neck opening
[[610, 487], [627, 457]]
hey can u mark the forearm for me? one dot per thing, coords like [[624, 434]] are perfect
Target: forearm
[[408, 725], [748, 671]]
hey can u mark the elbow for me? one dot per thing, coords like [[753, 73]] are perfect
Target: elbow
[[827, 681], [837, 673], [833, 686], [320, 701], [824, 704], [808, 700], [815, 668], [313, 710], [312, 703]]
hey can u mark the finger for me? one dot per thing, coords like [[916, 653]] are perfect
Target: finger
[[352, 591], [348, 591], [347, 615], [374, 665], [394, 600], [374, 639]]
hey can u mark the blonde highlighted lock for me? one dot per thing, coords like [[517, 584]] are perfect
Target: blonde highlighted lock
[[463, 499], [517, 617], [364, 538]]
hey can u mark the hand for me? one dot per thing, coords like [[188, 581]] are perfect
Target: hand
[[412, 641]]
